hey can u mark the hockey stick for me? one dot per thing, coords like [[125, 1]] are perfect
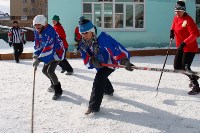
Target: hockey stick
[[32, 113], [153, 69], [164, 65]]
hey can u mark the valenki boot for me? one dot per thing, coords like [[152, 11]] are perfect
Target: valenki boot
[[58, 91], [195, 89], [51, 88]]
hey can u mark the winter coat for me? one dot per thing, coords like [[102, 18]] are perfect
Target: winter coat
[[77, 35], [110, 51], [185, 30], [61, 32], [48, 46]]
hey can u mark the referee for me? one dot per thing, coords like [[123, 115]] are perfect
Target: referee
[[16, 39]]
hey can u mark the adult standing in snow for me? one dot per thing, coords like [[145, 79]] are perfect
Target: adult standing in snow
[[185, 32], [98, 47], [77, 37], [16, 39], [48, 49], [64, 64]]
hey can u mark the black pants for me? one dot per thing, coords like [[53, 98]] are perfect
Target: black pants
[[18, 49], [183, 61], [64, 64], [101, 85], [49, 71]]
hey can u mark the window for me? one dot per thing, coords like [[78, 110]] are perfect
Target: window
[[198, 13], [25, 10], [115, 14], [24, 1], [108, 15], [97, 16], [119, 15]]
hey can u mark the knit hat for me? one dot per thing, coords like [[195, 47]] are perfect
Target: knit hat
[[180, 6], [55, 17], [39, 19], [85, 25]]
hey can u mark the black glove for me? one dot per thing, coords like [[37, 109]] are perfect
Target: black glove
[[95, 62], [171, 34], [24, 42], [126, 62], [181, 46], [10, 44]]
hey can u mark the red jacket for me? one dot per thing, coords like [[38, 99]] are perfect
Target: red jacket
[[61, 32], [186, 30], [77, 35]]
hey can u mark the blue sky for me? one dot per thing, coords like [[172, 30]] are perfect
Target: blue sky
[[5, 6]]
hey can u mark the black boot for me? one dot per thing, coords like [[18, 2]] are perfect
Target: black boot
[[63, 71], [108, 90], [195, 89], [90, 110], [193, 79], [51, 88], [58, 91]]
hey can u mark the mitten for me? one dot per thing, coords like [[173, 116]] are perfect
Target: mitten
[[10, 44], [126, 62], [181, 46], [95, 62], [36, 62], [171, 34]]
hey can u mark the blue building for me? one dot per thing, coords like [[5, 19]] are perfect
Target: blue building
[[134, 23]]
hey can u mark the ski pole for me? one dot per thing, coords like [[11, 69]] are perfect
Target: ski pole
[[153, 69], [33, 95], [164, 65]]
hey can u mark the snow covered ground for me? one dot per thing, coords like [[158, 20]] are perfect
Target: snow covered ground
[[5, 48], [133, 108]]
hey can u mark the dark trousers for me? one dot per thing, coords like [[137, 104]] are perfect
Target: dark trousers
[[49, 71], [183, 61], [18, 49], [64, 64], [101, 85]]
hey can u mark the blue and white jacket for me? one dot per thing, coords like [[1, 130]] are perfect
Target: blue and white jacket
[[48, 46], [110, 51]]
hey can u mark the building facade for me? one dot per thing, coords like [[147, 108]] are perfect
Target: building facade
[[25, 10], [134, 23]]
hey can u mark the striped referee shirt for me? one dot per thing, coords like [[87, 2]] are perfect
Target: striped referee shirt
[[16, 34]]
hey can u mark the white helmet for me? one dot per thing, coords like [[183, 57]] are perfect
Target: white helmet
[[39, 19]]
